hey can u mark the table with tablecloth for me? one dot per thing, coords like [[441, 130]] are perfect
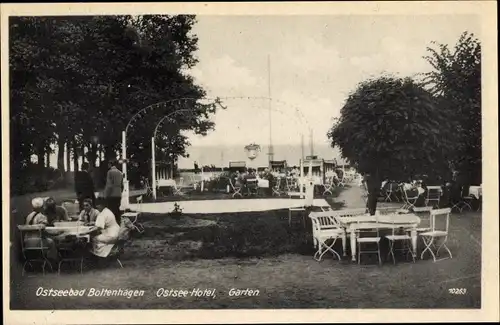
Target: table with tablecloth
[[70, 229], [389, 221], [476, 191]]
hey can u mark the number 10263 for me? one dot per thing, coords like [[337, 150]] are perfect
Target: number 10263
[[457, 291]]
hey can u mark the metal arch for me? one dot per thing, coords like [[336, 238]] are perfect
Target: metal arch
[[217, 102], [189, 110], [167, 116]]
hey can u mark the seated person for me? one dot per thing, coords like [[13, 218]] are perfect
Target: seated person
[[32, 240], [109, 230], [421, 194], [55, 213], [238, 179], [89, 213]]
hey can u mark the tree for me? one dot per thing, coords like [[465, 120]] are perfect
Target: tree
[[392, 128], [75, 79], [456, 82]]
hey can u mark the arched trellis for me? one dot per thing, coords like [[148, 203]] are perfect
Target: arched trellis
[[215, 101]]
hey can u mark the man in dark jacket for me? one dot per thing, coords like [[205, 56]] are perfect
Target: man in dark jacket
[[113, 190], [84, 186]]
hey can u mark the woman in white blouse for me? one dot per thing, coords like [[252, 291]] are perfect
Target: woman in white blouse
[[103, 243]]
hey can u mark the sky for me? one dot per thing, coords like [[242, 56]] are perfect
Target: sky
[[315, 62]]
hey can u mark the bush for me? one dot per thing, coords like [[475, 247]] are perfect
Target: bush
[[33, 178]]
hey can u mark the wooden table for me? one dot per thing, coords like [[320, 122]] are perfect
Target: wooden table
[[388, 221]]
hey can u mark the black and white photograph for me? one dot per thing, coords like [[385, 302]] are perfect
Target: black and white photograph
[[196, 159]]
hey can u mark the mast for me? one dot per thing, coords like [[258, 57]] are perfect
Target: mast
[[302, 145], [271, 149], [311, 144]]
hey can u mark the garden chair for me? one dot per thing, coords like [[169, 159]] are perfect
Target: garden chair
[[368, 234], [433, 195], [178, 187], [36, 254], [147, 187], [328, 186], [135, 215], [409, 200], [277, 187], [399, 235], [325, 228], [464, 202], [116, 252], [389, 192], [424, 213], [341, 181], [236, 189], [252, 187], [437, 236], [72, 249]]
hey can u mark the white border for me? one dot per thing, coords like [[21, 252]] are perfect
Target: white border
[[490, 254]]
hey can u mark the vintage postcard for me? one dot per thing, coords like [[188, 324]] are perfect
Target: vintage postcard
[[250, 162]]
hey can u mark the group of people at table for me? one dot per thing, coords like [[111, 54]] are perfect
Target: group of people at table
[[267, 179], [449, 192], [99, 226], [102, 227]]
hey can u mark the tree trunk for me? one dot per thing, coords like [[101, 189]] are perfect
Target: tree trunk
[[47, 156], [92, 155], [109, 153], [60, 154], [373, 183], [82, 151], [76, 155], [68, 156], [41, 157]]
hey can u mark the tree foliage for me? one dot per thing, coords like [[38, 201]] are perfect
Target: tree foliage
[[393, 128], [75, 79], [456, 81]]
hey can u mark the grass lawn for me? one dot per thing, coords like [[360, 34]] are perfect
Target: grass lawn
[[258, 250]]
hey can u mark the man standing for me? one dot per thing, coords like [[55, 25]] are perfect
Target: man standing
[[84, 186], [113, 189]]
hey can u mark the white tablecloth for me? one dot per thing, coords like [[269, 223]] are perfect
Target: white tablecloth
[[165, 183], [263, 183], [476, 191]]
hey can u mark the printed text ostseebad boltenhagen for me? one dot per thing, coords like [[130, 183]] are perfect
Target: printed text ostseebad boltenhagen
[[90, 292]]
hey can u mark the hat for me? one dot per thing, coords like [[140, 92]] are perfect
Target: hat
[[37, 203]]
